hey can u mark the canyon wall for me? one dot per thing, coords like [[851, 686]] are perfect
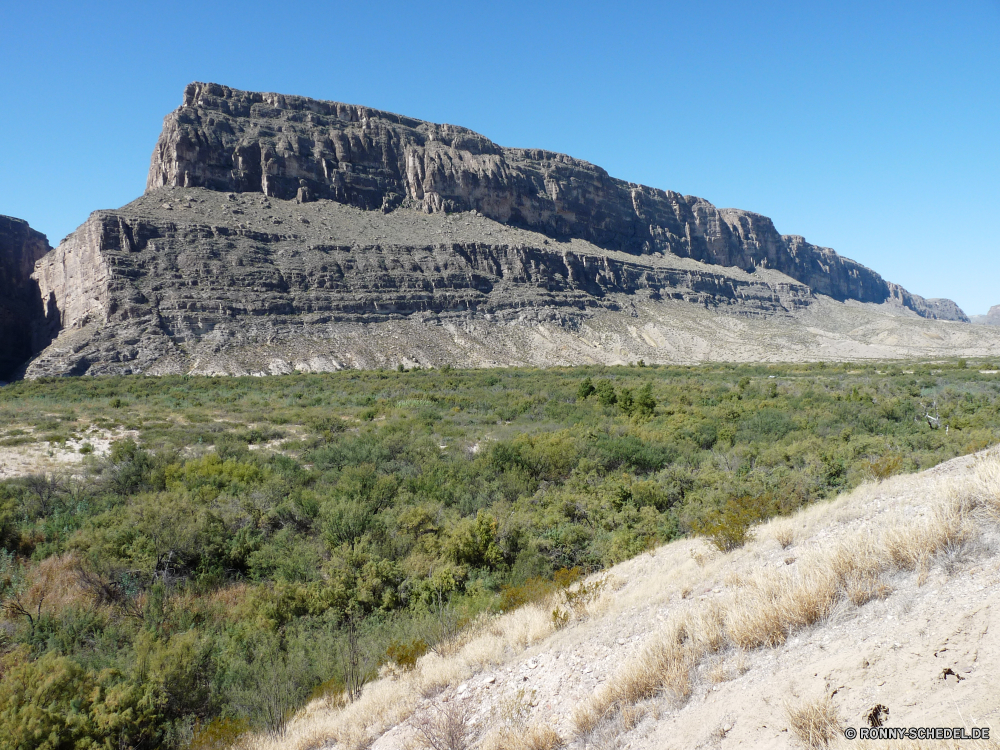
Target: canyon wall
[[294, 148], [23, 325]]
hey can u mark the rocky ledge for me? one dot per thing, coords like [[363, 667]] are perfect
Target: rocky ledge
[[280, 232], [183, 265]]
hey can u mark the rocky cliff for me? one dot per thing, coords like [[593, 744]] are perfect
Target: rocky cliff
[[293, 148], [179, 267], [992, 318], [23, 329], [281, 233]]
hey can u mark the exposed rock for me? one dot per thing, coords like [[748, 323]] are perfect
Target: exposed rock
[[145, 283], [23, 329], [992, 318], [291, 147], [281, 233]]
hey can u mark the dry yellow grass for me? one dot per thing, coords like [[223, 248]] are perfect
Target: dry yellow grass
[[388, 702], [533, 738], [815, 722], [771, 604]]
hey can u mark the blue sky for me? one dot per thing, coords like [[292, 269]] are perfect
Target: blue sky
[[869, 127]]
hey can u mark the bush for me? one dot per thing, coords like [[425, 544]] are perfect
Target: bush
[[732, 526], [54, 703], [606, 393]]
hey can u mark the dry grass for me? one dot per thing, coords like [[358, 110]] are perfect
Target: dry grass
[[662, 669], [511, 728], [770, 604], [815, 722], [783, 533], [443, 727], [387, 703], [534, 738]]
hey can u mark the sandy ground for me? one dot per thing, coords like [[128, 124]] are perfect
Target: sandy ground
[[56, 458]]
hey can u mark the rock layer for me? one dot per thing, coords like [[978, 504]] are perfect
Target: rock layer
[[23, 329], [294, 148], [161, 275], [280, 233]]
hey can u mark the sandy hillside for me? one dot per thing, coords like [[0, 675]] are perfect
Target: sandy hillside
[[888, 595]]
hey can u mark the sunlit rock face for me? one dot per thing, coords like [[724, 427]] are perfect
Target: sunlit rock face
[[294, 148], [279, 233]]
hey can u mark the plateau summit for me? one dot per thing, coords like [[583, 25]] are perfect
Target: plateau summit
[[280, 233]]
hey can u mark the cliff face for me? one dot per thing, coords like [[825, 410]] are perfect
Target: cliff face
[[282, 233], [291, 147], [23, 326], [178, 267]]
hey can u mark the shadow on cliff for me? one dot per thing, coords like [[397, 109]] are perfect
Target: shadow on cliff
[[27, 326]]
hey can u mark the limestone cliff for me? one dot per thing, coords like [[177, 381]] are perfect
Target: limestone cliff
[[180, 266], [280, 233], [23, 328], [291, 147]]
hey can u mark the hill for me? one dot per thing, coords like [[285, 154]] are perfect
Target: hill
[[280, 233]]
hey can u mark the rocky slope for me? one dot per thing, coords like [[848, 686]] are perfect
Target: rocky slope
[[22, 313], [992, 318], [281, 233]]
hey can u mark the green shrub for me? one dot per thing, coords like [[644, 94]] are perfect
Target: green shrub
[[731, 526], [54, 703], [605, 393]]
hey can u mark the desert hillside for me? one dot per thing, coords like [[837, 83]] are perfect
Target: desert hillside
[[884, 596]]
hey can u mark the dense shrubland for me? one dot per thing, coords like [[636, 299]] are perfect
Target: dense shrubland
[[249, 543]]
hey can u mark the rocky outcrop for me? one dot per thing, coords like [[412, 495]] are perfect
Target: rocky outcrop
[[160, 275], [992, 318], [23, 326], [281, 233], [294, 148]]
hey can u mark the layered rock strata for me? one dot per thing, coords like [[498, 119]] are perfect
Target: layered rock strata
[[178, 266], [280, 233], [294, 148], [24, 328]]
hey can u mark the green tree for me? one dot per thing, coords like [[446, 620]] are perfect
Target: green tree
[[645, 404], [605, 393]]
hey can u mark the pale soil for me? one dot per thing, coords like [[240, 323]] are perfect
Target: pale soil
[[895, 650], [56, 458], [666, 332]]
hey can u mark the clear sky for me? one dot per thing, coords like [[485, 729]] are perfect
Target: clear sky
[[868, 127]]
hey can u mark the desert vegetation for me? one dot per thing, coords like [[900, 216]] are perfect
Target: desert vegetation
[[250, 546]]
